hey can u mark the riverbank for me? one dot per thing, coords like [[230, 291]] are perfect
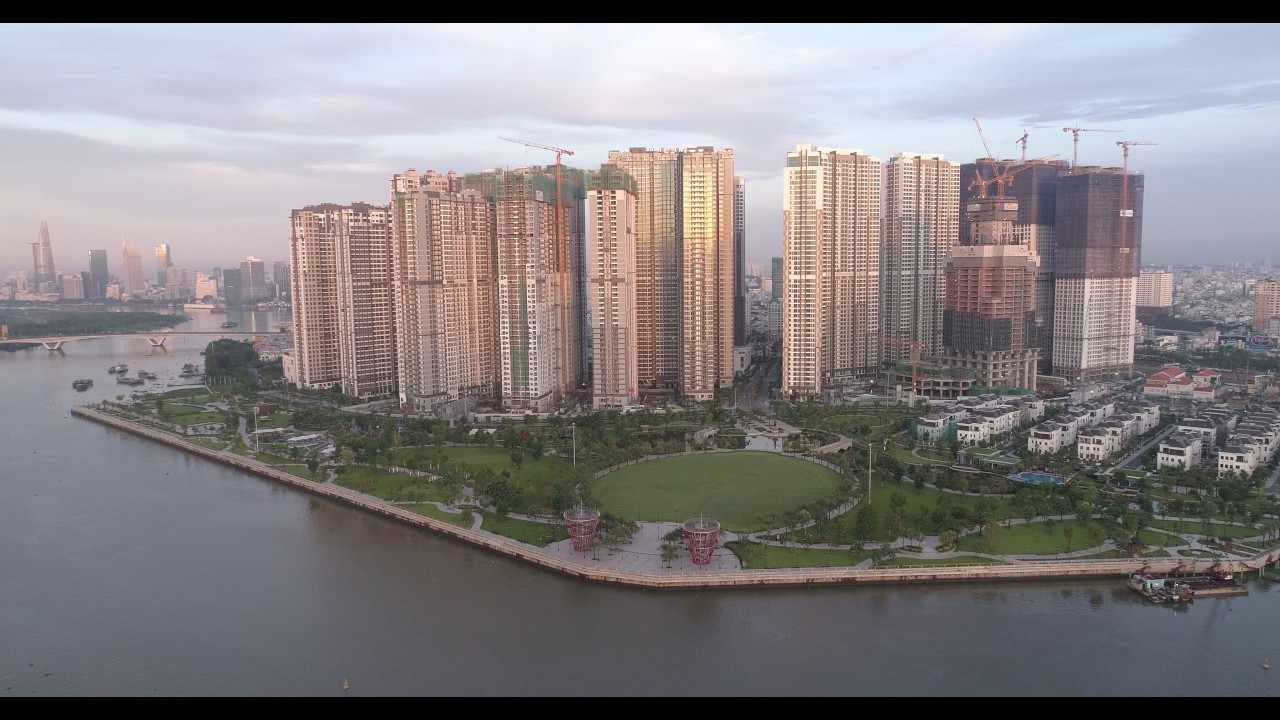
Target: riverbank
[[644, 569]]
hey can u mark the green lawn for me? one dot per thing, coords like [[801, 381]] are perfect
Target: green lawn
[[434, 512], [1036, 538], [735, 488], [908, 561], [525, 531], [1194, 526], [755, 556]]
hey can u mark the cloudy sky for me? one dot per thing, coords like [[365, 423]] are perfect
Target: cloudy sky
[[207, 136]]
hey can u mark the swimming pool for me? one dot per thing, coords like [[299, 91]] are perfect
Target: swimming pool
[[1039, 477]]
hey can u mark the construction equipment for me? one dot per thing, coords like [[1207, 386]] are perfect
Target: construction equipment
[[1125, 210], [915, 355], [1075, 140], [1003, 176], [562, 263], [1023, 142]]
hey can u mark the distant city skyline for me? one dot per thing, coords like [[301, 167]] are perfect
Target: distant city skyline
[[223, 129]]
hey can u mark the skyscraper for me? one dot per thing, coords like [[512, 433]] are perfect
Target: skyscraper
[[343, 314], [280, 276], [134, 283], [232, 287], [684, 268], [253, 280], [1035, 187], [537, 221], [98, 266], [921, 225], [989, 324], [611, 283], [445, 303], [1155, 292], [739, 261], [777, 279], [1096, 265], [831, 237], [42, 254], [163, 262]]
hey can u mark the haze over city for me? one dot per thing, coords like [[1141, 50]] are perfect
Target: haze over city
[[205, 137]]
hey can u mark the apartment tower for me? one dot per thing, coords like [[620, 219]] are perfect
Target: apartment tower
[[445, 303], [98, 266], [739, 261], [611, 286], [343, 318], [921, 225], [1034, 186], [989, 325], [253, 279], [1266, 306], [684, 268], [1154, 292], [537, 221], [831, 237], [1096, 266]]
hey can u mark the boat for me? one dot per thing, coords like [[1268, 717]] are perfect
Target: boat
[[146, 375], [121, 368], [129, 380], [1160, 589], [188, 370], [345, 685], [218, 310], [82, 384], [229, 324]]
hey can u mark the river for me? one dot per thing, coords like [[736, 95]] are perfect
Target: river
[[132, 569]]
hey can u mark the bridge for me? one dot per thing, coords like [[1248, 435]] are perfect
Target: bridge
[[157, 339]]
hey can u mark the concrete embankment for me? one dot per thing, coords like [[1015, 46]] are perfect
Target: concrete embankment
[[704, 579]]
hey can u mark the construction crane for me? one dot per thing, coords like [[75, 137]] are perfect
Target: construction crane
[[915, 354], [1023, 142], [1003, 176], [562, 262], [1075, 140], [990, 155], [1125, 210]]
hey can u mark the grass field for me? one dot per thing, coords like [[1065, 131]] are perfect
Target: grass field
[[734, 488], [1035, 538]]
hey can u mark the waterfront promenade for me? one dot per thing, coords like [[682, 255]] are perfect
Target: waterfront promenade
[[639, 564]]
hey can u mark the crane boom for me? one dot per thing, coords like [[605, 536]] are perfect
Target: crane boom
[[1075, 140]]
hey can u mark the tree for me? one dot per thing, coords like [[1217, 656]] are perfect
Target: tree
[[517, 457], [865, 524], [1069, 529], [669, 552]]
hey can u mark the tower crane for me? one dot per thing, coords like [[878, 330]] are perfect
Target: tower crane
[[915, 354], [1003, 176], [1075, 141], [1125, 210], [1023, 142], [562, 262]]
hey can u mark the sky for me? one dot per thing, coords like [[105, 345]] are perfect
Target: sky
[[207, 136]]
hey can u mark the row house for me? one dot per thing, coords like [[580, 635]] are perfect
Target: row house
[[975, 419], [1180, 449], [1095, 444], [1212, 432], [1251, 445]]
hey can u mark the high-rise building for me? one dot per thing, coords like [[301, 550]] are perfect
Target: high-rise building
[[611, 286], [89, 284], [205, 287], [777, 276], [1096, 265], [134, 283], [1266, 305], [71, 287], [164, 261], [921, 225], [253, 279], [445, 302], [232, 287], [1154, 292], [684, 268], [98, 266], [831, 237], [538, 223], [42, 254], [989, 328], [1035, 188], [280, 276], [739, 261], [343, 313]]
